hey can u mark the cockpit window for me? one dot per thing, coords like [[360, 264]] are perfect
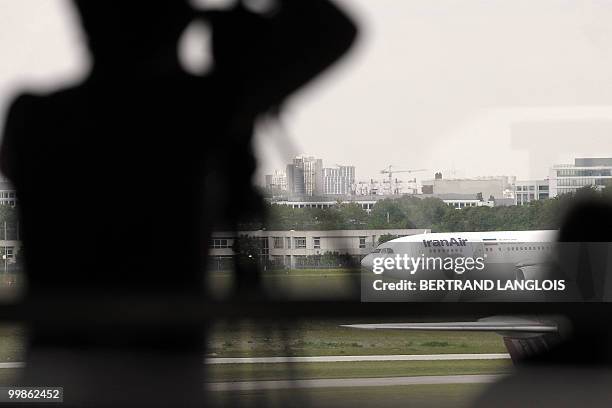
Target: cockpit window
[[386, 251], [377, 250]]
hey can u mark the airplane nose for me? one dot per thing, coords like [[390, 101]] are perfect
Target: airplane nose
[[367, 262]]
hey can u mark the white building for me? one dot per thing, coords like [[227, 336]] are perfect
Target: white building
[[10, 243], [493, 186], [567, 178], [305, 176], [290, 248], [527, 191], [8, 196], [459, 201], [367, 203], [276, 181], [339, 180], [371, 187], [386, 187], [459, 204]]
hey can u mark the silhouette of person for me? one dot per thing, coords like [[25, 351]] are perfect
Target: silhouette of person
[[110, 176], [262, 59], [107, 174]]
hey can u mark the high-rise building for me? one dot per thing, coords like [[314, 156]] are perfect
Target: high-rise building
[[305, 176], [295, 180], [567, 178], [313, 175], [276, 181], [339, 180]]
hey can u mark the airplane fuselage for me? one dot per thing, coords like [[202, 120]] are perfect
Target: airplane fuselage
[[496, 254]]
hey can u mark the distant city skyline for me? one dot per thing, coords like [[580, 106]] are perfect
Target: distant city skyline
[[450, 174], [593, 172]]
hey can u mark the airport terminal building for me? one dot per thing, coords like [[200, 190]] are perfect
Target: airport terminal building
[[455, 200], [296, 249], [365, 202]]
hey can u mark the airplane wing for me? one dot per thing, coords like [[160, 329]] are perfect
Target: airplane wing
[[530, 263], [523, 337], [503, 324], [535, 262], [483, 326], [543, 266]]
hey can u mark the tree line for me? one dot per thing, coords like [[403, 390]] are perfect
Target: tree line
[[430, 213]]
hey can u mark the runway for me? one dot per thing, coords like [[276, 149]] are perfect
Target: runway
[[352, 382], [343, 382], [12, 365], [331, 359]]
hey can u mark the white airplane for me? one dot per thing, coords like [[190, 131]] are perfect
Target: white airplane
[[504, 254], [512, 255]]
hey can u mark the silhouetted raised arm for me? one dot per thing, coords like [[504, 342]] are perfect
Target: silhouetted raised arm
[[269, 56], [12, 134]]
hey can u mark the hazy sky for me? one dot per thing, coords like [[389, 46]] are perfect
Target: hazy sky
[[466, 87]]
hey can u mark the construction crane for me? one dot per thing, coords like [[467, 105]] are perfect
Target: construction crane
[[389, 170]]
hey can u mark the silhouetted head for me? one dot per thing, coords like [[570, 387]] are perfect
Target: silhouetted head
[[120, 31], [589, 220]]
